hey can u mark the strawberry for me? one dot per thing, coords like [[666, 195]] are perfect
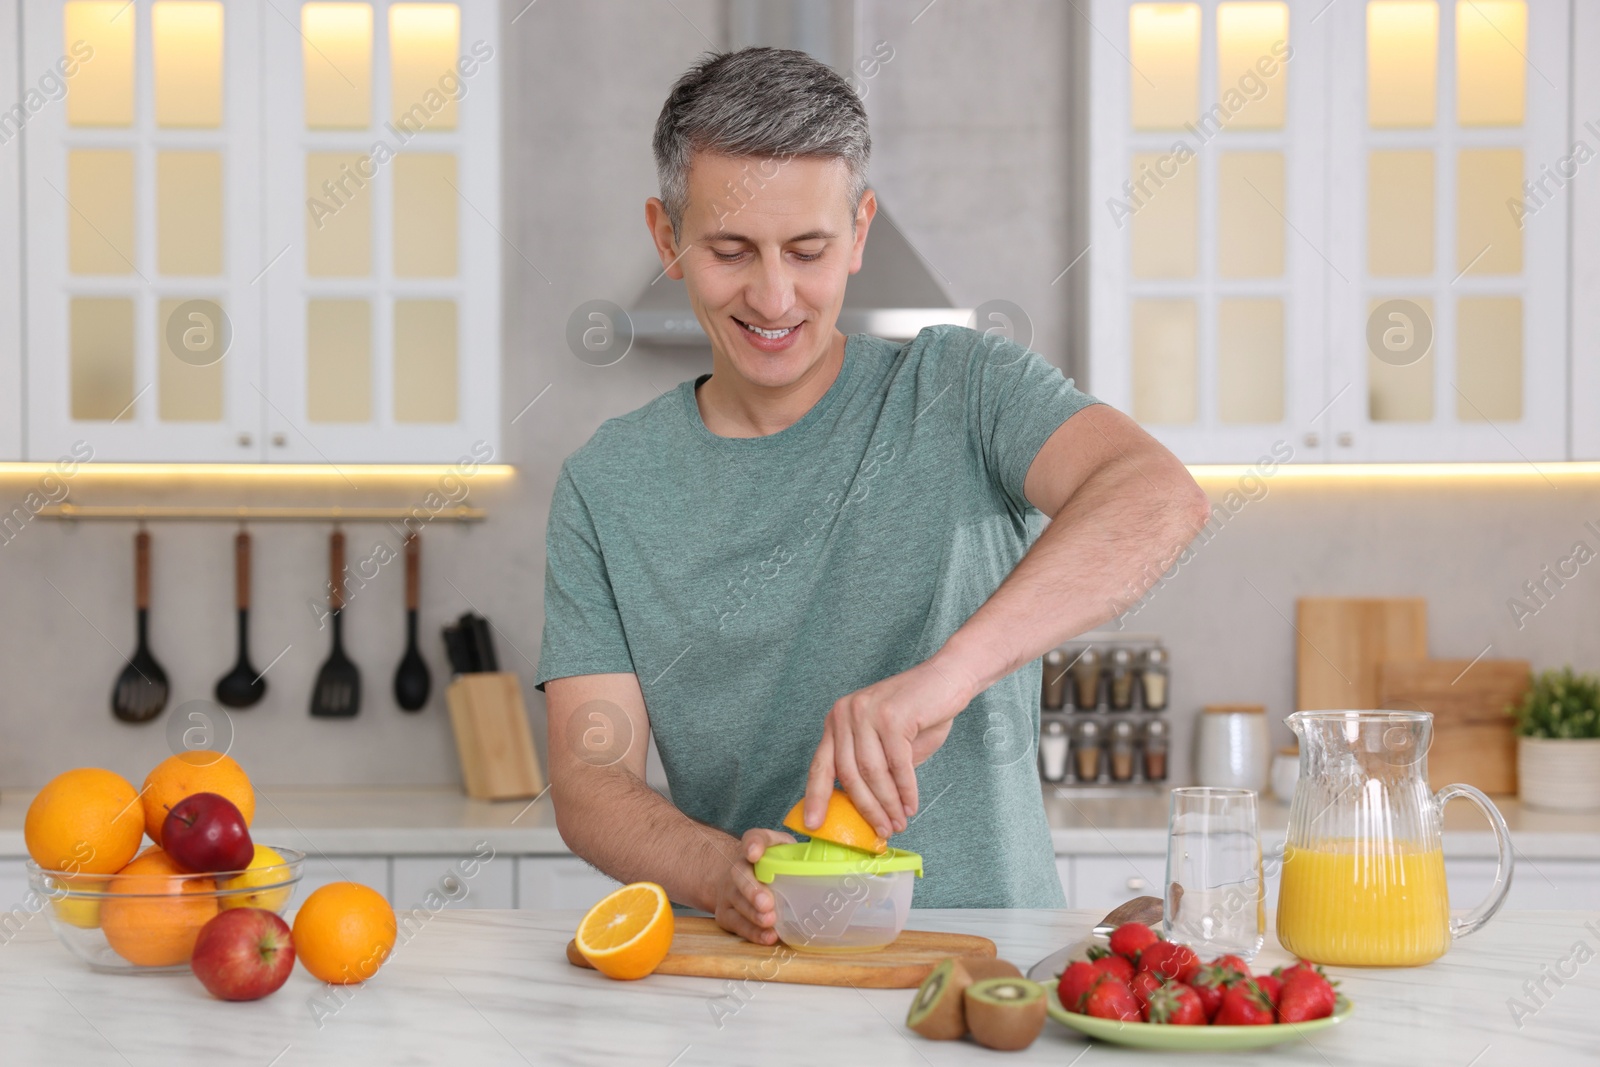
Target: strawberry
[[1110, 998], [1130, 939], [1115, 966], [1233, 963], [1271, 986], [1144, 983], [1283, 973], [1075, 982], [1244, 1004], [1170, 960], [1175, 1004], [1211, 982], [1306, 995]]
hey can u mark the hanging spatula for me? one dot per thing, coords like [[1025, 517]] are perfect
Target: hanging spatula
[[242, 686], [411, 679], [338, 690], [141, 689]]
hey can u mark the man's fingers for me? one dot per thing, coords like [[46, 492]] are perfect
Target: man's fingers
[[755, 842], [733, 921], [902, 765], [874, 767], [819, 782], [860, 793]]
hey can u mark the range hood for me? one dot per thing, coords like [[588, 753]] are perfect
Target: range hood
[[895, 294]]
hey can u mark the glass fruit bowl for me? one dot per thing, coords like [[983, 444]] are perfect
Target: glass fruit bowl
[[831, 898], [147, 923]]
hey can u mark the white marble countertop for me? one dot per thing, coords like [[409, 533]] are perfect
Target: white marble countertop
[[432, 820], [493, 988]]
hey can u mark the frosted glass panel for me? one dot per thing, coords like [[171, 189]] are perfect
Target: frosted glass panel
[[1491, 73], [337, 58], [1400, 213], [1164, 53], [1252, 82], [100, 219], [1401, 393], [1488, 239], [187, 393], [425, 361], [101, 92], [338, 361], [1166, 386], [101, 355], [1250, 212], [1402, 62], [424, 44], [1166, 221], [1489, 358], [187, 40], [338, 215], [425, 215], [189, 213], [1250, 360]]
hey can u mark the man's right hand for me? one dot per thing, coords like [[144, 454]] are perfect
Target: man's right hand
[[743, 905]]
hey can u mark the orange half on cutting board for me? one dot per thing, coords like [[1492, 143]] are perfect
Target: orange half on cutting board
[[629, 932], [842, 825]]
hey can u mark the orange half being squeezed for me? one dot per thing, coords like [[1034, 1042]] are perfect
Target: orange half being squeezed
[[842, 825]]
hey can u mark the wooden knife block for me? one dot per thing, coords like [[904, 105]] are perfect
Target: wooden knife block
[[493, 739]]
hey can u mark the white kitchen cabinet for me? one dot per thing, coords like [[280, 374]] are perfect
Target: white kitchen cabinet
[[1255, 211], [1585, 179], [559, 882], [11, 402], [1536, 885], [175, 198], [1100, 883], [370, 871], [464, 881]]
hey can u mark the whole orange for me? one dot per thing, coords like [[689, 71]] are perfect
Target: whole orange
[[188, 773], [343, 932], [86, 821], [156, 910]]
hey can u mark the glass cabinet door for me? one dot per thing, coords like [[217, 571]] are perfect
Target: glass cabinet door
[[383, 335], [143, 325], [1449, 306], [1207, 160]]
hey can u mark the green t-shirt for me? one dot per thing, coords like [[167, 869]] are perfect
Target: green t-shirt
[[751, 582]]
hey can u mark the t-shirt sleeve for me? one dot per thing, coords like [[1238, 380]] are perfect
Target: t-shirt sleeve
[[583, 631], [1015, 400]]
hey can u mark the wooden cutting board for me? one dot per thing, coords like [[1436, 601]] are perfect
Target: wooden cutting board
[[702, 949], [1341, 641], [1474, 740]]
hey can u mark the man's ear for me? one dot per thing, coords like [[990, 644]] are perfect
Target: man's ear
[[864, 214], [660, 225]]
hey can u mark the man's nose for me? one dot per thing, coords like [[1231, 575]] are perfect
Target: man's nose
[[771, 292]]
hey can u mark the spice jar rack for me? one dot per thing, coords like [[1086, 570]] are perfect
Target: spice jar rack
[[1102, 722]]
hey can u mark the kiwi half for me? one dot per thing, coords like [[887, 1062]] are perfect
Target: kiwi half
[[937, 1011], [1004, 1013]]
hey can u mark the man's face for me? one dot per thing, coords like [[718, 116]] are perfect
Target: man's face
[[766, 244]]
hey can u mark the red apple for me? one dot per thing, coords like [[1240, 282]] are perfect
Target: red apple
[[205, 833], [243, 954]]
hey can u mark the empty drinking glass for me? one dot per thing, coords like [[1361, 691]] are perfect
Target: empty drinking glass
[[1214, 901]]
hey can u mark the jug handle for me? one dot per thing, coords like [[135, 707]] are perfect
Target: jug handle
[[1504, 862]]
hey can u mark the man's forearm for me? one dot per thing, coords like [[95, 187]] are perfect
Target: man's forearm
[[611, 818], [1131, 518]]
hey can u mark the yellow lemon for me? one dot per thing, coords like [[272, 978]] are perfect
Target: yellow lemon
[[259, 873], [80, 911]]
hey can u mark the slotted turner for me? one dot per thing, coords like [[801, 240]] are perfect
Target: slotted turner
[[141, 689], [337, 694]]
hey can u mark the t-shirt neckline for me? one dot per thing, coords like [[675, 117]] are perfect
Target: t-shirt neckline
[[794, 431]]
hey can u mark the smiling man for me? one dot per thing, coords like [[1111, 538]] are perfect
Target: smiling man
[[828, 559]]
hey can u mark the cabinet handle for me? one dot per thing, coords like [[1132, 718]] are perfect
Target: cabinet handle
[[1137, 884], [279, 440], [246, 440], [1312, 440], [1346, 439]]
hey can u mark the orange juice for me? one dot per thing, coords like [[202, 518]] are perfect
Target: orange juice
[[1357, 908]]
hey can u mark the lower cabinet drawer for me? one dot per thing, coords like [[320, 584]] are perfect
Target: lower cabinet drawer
[[480, 879], [1536, 885], [559, 882], [1100, 883], [370, 871]]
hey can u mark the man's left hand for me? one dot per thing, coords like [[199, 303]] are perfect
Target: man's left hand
[[875, 738]]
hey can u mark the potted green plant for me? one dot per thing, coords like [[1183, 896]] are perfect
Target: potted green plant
[[1558, 742]]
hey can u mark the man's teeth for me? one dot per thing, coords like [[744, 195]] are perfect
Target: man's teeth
[[771, 335]]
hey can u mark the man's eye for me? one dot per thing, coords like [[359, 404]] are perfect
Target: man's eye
[[807, 257], [726, 257]]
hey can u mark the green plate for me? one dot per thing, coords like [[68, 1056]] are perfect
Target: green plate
[[1190, 1038]]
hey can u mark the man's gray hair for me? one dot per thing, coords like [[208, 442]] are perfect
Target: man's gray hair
[[769, 103]]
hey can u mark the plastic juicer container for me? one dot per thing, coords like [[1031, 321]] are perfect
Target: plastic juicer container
[[831, 898]]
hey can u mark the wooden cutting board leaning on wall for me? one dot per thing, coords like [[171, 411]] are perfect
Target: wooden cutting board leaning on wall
[[1341, 641], [1474, 740]]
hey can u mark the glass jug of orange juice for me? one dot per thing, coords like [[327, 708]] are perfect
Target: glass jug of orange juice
[[1363, 880]]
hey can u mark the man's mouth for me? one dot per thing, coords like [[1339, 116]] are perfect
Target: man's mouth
[[770, 335]]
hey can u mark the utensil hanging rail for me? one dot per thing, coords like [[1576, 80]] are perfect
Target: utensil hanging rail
[[142, 513]]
